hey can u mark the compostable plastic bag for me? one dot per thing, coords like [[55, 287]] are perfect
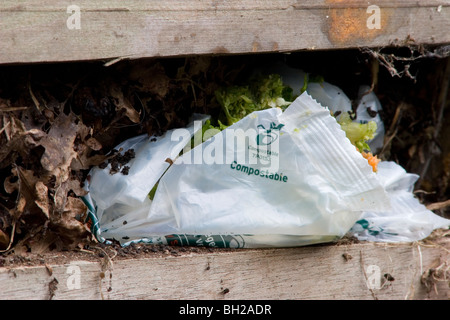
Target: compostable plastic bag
[[114, 195], [272, 179], [333, 97], [407, 221]]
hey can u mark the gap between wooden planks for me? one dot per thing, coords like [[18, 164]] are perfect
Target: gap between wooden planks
[[334, 271]]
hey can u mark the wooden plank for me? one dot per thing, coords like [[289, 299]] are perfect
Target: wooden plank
[[353, 271], [46, 30]]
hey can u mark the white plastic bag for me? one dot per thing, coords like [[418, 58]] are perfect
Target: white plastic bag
[[408, 220], [118, 194], [310, 186], [333, 97], [329, 189]]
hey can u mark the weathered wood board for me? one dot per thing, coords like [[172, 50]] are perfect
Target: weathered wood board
[[353, 271], [57, 30]]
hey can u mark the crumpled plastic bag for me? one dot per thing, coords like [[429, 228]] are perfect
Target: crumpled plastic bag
[[330, 189], [112, 196], [319, 186], [311, 187], [333, 97], [407, 221]]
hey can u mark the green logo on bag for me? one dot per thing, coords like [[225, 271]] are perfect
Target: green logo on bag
[[268, 136]]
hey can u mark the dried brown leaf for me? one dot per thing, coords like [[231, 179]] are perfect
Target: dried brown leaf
[[62, 189], [93, 143], [84, 161], [123, 103], [17, 126], [11, 186], [74, 185], [4, 239], [25, 185], [59, 145], [20, 207], [153, 79], [68, 224], [19, 142], [199, 65], [32, 196], [42, 198], [40, 243]]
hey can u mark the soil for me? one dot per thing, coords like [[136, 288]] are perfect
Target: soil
[[59, 120], [97, 252]]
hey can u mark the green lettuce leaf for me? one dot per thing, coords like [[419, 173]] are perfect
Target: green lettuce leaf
[[263, 92], [358, 133]]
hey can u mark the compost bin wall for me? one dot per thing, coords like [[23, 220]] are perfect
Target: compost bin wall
[[82, 113], [58, 120]]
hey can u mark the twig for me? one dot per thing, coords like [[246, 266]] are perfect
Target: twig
[[107, 265], [4, 128], [393, 129], [10, 109], [11, 238], [424, 192], [411, 292], [116, 60], [86, 251], [439, 205], [420, 258], [434, 275], [33, 97], [434, 245]]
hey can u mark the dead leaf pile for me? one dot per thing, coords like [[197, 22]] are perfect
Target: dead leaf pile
[[57, 122], [43, 184]]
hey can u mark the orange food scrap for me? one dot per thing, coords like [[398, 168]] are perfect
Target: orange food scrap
[[372, 160]]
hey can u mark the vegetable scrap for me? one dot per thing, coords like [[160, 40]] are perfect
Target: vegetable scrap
[[269, 91], [261, 93]]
